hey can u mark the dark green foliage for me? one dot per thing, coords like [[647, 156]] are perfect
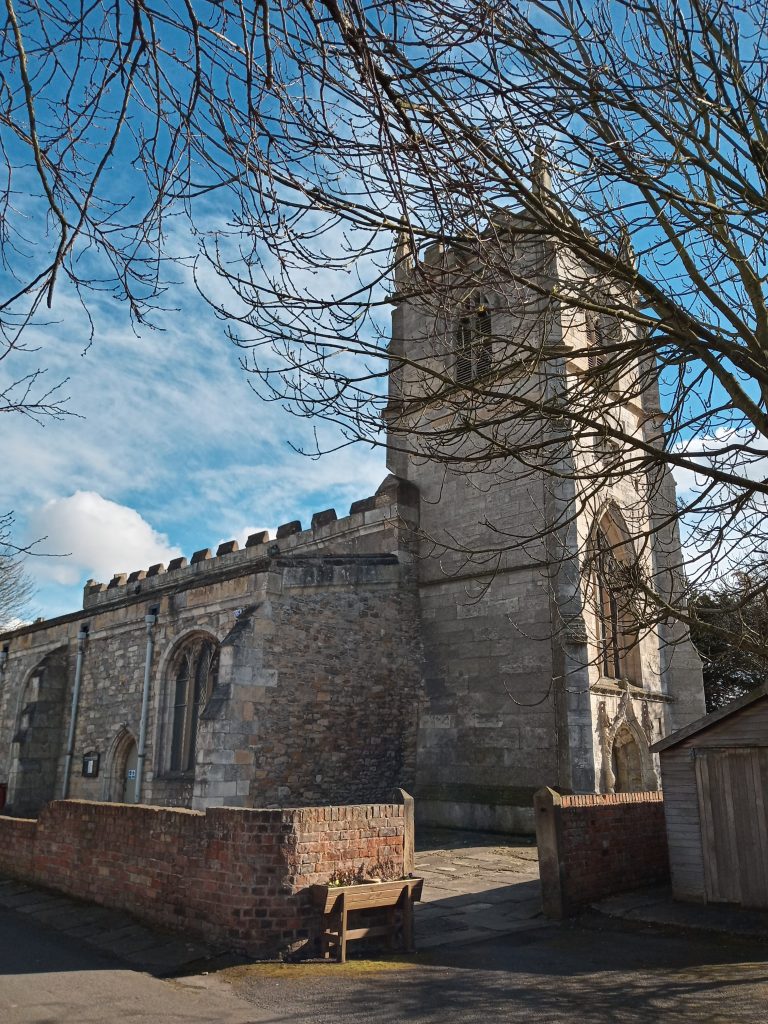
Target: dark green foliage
[[729, 669]]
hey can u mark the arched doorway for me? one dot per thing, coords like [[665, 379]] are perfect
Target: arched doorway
[[129, 773], [123, 770], [627, 763]]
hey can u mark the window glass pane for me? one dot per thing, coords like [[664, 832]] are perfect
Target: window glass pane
[[177, 739], [195, 678]]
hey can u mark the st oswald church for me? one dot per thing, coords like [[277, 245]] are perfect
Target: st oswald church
[[341, 658]]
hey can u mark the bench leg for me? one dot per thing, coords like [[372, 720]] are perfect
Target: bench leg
[[342, 955], [408, 945]]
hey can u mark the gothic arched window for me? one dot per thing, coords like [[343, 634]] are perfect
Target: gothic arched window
[[617, 638], [192, 678], [474, 344]]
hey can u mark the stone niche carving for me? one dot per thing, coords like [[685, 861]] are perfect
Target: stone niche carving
[[626, 760]]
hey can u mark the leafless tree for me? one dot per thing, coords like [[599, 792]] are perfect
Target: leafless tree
[[16, 587], [600, 169]]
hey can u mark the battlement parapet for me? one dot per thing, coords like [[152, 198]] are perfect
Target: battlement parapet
[[394, 507]]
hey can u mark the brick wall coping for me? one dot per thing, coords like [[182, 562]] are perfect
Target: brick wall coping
[[607, 799], [331, 812]]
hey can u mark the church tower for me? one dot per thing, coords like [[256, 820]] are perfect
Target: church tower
[[541, 667]]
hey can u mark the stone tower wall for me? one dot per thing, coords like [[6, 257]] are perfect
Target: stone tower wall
[[515, 699]]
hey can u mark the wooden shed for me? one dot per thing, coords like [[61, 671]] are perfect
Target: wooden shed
[[714, 776]]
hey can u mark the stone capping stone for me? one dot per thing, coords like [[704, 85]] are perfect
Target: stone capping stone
[[200, 556], [320, 519], [363, 505], [288, 529], [118, 580], [399, 491], [136, 575], [155, 570], [177, 563], [255, 539], [229, 547]]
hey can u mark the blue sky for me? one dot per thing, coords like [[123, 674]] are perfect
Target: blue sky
[[169, 449]]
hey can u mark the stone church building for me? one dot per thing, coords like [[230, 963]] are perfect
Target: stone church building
[[332, 663]]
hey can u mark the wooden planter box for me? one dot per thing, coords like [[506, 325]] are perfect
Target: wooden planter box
[[394, 899]]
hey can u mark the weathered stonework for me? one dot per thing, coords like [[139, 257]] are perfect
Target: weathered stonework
[[515, 695], [406, 644], [316, 698]]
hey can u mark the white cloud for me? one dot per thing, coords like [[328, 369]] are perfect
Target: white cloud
[[732, 451], [98, 536], [723, 524]]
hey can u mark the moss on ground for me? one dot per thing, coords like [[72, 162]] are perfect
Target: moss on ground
[[315, 968]]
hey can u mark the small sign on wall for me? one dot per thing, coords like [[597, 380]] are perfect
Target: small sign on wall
[[131, 773], [91, 765]]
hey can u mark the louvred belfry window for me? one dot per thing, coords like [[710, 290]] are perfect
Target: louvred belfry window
[[603, 332], [474, 345]]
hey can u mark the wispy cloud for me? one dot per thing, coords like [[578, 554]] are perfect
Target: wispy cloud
[[169, 449]]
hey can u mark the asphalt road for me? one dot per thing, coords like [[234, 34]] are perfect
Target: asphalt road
[[47, 978], [596, 973]]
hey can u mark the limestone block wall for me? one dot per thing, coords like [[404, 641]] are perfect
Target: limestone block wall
[[515, 695], [37, 711], [494, 727], [231, 877], [489, 733]]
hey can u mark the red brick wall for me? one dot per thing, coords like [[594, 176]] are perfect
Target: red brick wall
[[226, 875], [594, 845], [17, 846]]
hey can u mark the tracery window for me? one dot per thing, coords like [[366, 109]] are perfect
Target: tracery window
[[617, 637], [193, 676], [474, 344]]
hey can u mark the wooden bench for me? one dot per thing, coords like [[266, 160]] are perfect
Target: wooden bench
[[394, 899]]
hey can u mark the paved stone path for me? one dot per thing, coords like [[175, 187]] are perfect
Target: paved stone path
[[654, 905], [110, 931], [476, 885]]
